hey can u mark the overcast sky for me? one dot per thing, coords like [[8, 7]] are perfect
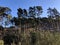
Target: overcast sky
[[15, 4]]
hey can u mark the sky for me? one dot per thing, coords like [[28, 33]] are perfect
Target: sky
[[25, 4]]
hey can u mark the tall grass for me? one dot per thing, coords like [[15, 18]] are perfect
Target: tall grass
[[40, 38]]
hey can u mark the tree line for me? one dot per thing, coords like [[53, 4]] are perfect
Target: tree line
[[31, 18]]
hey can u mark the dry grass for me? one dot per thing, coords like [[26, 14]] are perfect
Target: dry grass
[[42, 38], [1, 42]]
